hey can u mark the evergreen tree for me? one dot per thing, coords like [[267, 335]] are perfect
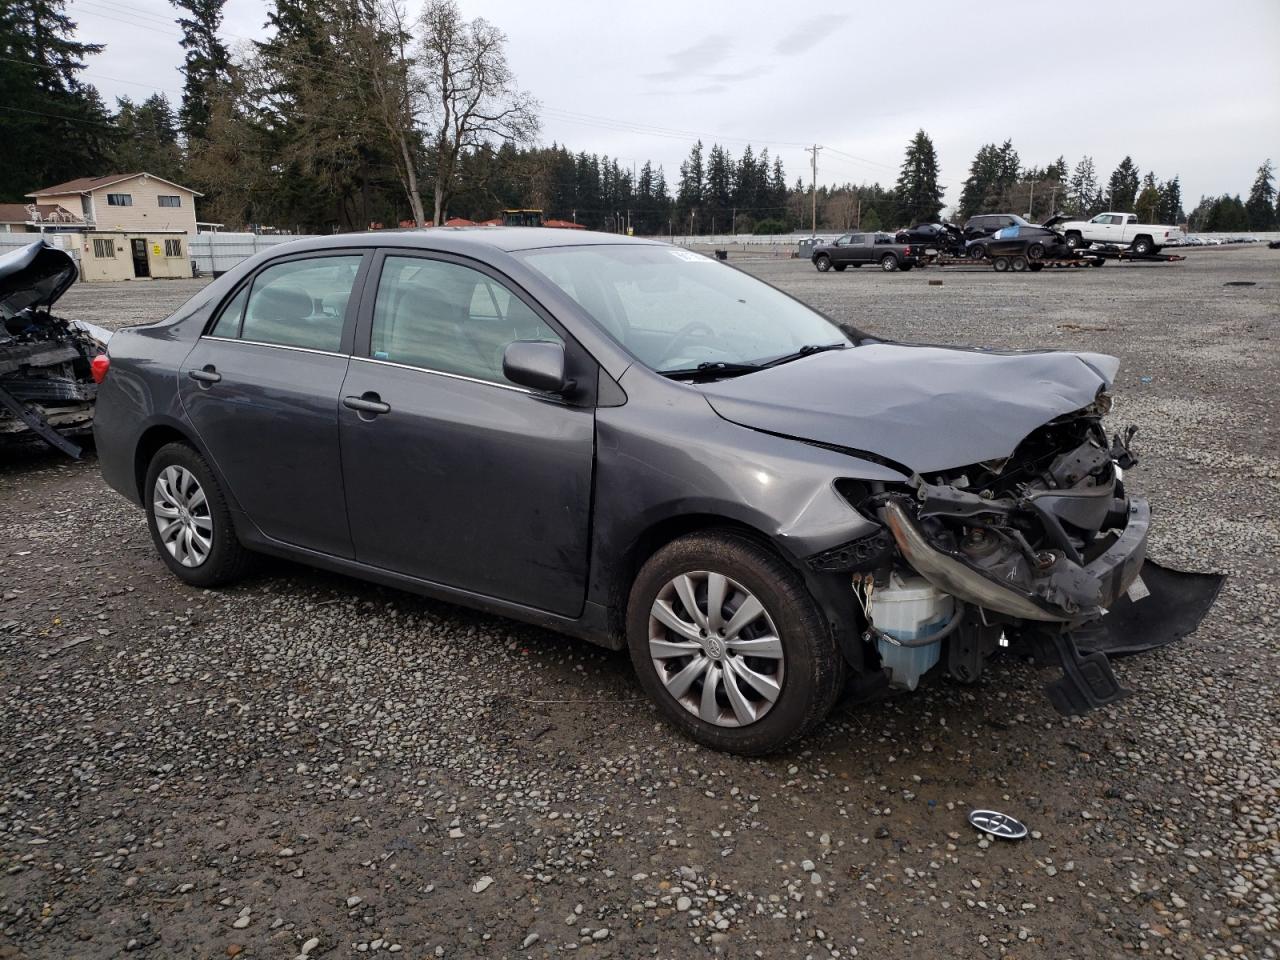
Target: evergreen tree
[[689, 190], [919, 196], [717, 197], [205, 65], [870, 220], [1261, 205], [53, 126], [1082, 191], [984, 172], [1148, 202], [1122, 188], [1171, 211], [147, 138]]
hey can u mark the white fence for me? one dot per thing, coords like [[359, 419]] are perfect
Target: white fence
[[216, 253], [68, 242]]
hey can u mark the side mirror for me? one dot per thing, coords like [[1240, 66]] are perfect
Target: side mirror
[[536, 364]]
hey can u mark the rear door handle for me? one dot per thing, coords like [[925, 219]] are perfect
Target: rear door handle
[[368, 403], [207, 375]]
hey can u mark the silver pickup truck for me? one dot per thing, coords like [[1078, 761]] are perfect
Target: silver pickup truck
[[1121, 229]]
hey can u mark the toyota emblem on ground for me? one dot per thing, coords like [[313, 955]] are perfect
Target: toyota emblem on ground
[[998, 824]]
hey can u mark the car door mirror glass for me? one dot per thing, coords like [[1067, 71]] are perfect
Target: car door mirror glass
[[536, 364]]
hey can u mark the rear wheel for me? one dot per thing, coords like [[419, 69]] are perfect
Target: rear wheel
[[822, 262], [977, 252], [1035, 267], [906, 266], [1074, 240], [888, 263], [189, 519], [1143, 246], [1018, 263], [730, 645], [840, 267], [1000, 264], [1035, 251]]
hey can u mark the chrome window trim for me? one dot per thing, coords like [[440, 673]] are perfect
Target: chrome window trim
[[277, 346], [445, 373]]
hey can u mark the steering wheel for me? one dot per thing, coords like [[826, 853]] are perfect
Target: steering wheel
[[680, 336]]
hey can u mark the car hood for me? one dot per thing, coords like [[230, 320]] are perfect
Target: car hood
[[927, 408], [34, 276]]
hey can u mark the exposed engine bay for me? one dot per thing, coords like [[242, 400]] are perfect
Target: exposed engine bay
[[1034, 551], [47, 389]]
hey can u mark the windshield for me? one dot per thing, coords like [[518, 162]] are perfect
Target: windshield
[[674, 309]]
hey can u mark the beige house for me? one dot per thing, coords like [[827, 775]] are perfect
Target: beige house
[[133, 225]]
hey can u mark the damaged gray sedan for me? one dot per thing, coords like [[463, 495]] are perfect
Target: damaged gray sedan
[[48, 366], [629, 442]]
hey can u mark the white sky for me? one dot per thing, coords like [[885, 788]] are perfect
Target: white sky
[[1184, 86]]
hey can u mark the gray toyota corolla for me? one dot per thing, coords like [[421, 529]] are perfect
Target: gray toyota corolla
[[632, 443]]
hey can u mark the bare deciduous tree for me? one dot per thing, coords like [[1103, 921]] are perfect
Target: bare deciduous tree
[[397, 90], [471, 93]]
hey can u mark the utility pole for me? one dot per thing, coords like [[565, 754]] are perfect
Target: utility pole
[[1031, 204], [733, 224], [813, 190]]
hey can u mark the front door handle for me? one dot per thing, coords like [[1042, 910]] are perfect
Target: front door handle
[[369, 403], [208, 374]]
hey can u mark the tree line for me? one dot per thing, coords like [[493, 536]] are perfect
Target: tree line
[[353, 114]]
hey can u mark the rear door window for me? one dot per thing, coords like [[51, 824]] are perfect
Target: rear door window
[[301, 303]]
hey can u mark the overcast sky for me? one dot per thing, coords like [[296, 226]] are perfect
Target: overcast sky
[[1184, 86]]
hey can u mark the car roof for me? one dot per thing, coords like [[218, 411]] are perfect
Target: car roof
[[470, 240]]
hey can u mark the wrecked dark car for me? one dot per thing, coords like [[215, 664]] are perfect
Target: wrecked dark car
[[47, 364], [631, 443], [934, 238], [1025, 246]]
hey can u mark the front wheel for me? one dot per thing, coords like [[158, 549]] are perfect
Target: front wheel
[[888, 263], [978, 252], [730, 645], [1035, 251], [1075, 240], [822, 262], [189, 519]]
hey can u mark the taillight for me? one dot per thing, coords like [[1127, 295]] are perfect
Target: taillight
[[99, 366]]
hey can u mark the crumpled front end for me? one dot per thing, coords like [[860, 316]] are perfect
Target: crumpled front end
[[47, 389], [1033, 550], [46, 383]]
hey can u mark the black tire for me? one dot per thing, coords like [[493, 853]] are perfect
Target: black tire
[[977, 252], [888, 263], [227, 561], [1035, 251], [1018, 263], [822, 262], [840, 267], [1097, 262], [856, 266], [1035, 267], [907, 266], [1074, 240], [815, 671], [1000, 264], [1143, 246]]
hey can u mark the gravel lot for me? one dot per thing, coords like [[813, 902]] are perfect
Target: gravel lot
[[310, 765]]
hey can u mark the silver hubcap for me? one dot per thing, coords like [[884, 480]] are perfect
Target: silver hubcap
[[716, 649], [182, 516]]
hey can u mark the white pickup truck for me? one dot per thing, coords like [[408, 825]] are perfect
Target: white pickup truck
[[1122, 229]]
